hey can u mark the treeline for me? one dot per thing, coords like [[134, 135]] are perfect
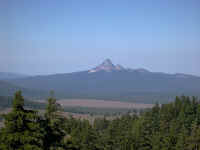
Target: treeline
[[6, 102], [174, 126], [92, 111]]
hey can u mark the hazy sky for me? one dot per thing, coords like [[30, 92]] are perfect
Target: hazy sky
[[59, 36]]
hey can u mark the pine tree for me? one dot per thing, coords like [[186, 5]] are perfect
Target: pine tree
[[194, 139], [182, 139], [53, 125], [21, 129]]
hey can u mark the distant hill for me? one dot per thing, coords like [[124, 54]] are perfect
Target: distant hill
[[6, 102], [8, 75], [8, 89], [114, 82]]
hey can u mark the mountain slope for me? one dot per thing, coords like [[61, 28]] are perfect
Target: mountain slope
[[8, 89], [108, 82], [8, 75]]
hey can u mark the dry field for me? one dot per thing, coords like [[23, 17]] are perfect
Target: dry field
[[102, 104], [86, 103]]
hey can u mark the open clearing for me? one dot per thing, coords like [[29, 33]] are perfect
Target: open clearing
[[102, 104]]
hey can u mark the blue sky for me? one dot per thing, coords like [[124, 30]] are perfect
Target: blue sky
[[46, 37]]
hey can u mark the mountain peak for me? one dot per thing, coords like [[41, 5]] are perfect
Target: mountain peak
[[108, 66], [119, 67], [107, 63]]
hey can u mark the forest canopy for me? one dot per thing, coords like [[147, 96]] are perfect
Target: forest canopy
[[173, 126]]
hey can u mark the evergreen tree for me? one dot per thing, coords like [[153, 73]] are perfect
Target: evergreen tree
[[194, 139], [182, 139], [53, 125], [173, 126], [22, 130]]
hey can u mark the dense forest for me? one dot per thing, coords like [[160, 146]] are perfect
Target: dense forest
[[173, 126]]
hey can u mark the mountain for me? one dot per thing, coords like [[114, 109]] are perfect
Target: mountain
[[107, 66], [9, 75], [114, 82]]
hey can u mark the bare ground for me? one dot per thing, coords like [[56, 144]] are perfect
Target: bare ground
[[102, 104]]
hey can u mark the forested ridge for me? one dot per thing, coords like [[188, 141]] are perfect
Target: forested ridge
[[173, 126], [126, 85]]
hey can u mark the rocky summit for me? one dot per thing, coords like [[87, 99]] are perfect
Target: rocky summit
[[107, 66]]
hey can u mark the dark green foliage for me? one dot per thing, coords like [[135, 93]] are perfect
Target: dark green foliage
[[22, 129], [53, 125], [174, 126]]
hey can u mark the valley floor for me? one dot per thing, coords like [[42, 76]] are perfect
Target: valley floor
[[102, 104]]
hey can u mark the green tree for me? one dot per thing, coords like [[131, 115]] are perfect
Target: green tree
[[194, 139], [53, 125], [21, 129], [182, 139]]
